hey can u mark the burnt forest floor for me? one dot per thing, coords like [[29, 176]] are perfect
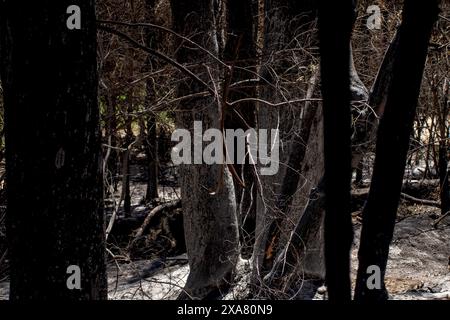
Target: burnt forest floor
[[154, 266]]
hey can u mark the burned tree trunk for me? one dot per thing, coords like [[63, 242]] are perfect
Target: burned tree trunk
[[335, 26], [443, 156], [208, 196], [151, 145], [151, 149], [240, 53], [54, 175], [394, 131]]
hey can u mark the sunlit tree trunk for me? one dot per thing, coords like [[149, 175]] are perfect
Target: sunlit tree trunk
[[208, 196]]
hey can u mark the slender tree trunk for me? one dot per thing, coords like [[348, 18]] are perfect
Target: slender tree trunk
[[335, 25], [240, 52], [444, 178], [208, 196], [393, 142], [443, 155], [151, 145], [151, 149], [111, 157], [126, 155], [54, 174], [126, 193], [366, 128]]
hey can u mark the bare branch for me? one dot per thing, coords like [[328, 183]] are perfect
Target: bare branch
[[158, 55], [279, 104]]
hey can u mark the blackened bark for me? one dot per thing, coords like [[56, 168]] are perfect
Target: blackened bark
[[151, 145], [394, 132], [444, 178], [126, 192], [443, 158], [151, 149], [126, 155], [335, 25], [240, 53], [54, 175], [365, 129]]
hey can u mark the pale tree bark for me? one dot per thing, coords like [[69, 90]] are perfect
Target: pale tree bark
[[297, 252], [208, 196], [284, 22]]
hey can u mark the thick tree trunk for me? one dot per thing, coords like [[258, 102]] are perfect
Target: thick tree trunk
[[335, 25], [303, 252], [304, 170], [284, 23], [54, 174], [208, 196], [393, 142], [300, 256]]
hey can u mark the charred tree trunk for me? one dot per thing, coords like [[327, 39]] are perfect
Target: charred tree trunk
[[54, 175], [151, 149], [126, 192], [335, 25], [443, 157], [365, 129], [240, 53], [151, 145], [394, 132], [208, 196], [304, 171]]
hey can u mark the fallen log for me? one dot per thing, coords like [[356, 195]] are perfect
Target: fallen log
[[412, 199], [361, 195], [174, 204], [435, 225]]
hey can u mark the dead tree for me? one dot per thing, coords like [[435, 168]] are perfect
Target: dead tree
[[335, 26], [53, 155], [393, 137], [151, 145], [240, 54], [208, 196], [284, 23], [444, 172]]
